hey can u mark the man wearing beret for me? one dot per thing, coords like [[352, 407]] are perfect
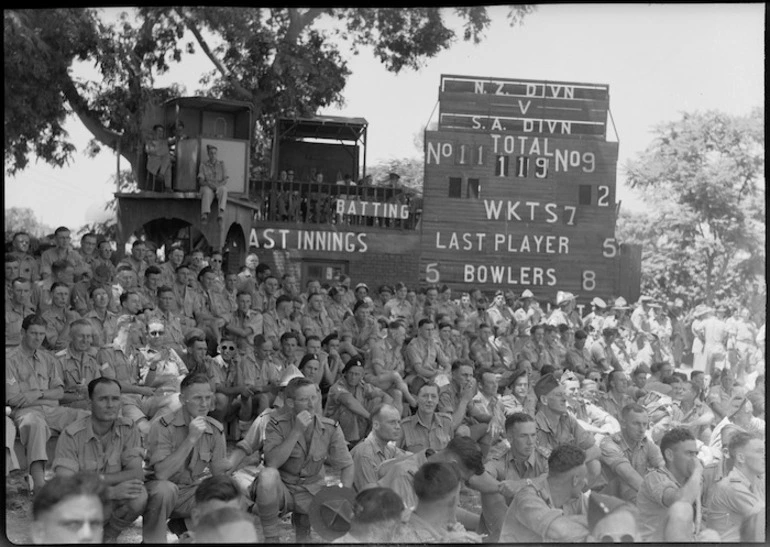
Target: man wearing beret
[[213, 180], [556, 426]]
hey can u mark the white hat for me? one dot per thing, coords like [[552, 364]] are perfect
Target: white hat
[[598, 302], [527, 294], [645, 298], [620, 303], [563, 296]]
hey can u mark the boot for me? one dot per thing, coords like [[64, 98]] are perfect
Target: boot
[[301, 524]]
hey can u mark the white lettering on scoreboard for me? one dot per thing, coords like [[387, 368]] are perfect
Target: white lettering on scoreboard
[[308, 240], [546, 158], [372, 209]]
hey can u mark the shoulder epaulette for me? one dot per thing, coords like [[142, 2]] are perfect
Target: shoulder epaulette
[[216, 423]]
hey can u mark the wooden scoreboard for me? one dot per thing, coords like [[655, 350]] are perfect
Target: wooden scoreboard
[[519, 189]]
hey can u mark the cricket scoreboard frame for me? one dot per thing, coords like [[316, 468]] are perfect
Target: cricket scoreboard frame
[[519, 189]]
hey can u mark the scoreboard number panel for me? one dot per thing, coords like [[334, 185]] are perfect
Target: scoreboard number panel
[[521, 181]]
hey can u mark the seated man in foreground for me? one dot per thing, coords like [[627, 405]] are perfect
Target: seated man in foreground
[[296, 446], [182, 447]]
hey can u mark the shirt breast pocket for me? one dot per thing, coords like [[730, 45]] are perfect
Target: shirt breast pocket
[[113, 462]]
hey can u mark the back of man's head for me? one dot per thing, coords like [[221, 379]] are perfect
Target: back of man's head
[[436, 481], [214, 493], [468, 453], [225, 525], [565, 458]]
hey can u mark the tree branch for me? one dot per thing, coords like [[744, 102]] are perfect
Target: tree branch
[[298, 21], [210, 54], [91, 122]]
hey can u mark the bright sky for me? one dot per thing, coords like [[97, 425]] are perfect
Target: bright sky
[[659, 60]]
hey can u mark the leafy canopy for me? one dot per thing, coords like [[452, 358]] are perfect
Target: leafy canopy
[[285, 61], [703, 177]]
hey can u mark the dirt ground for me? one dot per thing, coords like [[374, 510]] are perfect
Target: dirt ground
[[18, 509]]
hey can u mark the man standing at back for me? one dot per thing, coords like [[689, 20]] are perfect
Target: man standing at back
[[182, 446], [108, 445]]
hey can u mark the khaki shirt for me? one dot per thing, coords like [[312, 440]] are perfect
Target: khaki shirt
[[735, 499], [80, 449], [212, 174], [367, 457], [104, 329], [507, 468], [25, 371], [306, 461], [57, 333], [14, 317], [649, 501], [320, 325], [532, 512], [78, 369], [168, 433], [565, 430], [253, 322], [29, 268], [608, 402], [54, 254], [643, 457], [419, 436]]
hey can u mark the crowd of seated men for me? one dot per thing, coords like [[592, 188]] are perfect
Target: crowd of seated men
[[641, 422]]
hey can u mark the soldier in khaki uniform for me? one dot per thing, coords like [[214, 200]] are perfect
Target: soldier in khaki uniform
[[534, 515], [106, 444], [182, 447], [739, 499], [627, 456], [297, 444], [509, 472], [33, 389], [427, 428], [78, 365]]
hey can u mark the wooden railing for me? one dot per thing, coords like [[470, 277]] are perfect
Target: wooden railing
[[317, 203]]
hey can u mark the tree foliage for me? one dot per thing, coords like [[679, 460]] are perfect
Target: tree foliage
[[23, 219], [411, 171], [703, 178], [284, 61]]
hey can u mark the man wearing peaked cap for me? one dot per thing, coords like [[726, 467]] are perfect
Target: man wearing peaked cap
[[527, 294]]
